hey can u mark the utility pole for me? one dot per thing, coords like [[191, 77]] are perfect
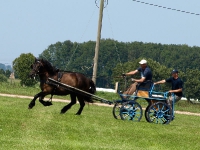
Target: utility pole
[[98, 41]]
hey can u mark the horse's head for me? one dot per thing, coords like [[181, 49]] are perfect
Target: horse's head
[[36, 68]]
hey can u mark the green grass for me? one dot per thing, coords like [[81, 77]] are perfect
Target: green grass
[[16, 88], [43, 128]]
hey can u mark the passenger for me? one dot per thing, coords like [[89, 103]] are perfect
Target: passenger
[[145, 72], [177, 86]]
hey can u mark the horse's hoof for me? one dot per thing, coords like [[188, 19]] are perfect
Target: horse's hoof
[[62, 112], [77, 114], [30, 107], [48, 104]]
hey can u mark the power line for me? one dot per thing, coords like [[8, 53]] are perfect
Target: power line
[[87, 25], [115, 43], [166, 7]]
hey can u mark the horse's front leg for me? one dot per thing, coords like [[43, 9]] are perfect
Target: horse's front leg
[[45, 103], [32, 103]]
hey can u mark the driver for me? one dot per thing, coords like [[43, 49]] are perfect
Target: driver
[[145, 73]]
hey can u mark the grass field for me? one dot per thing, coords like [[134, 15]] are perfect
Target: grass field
[[43, 128]]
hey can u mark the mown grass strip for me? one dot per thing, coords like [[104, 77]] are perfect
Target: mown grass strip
[[44, 128]]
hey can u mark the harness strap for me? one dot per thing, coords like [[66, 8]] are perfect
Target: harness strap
[[60, 74]]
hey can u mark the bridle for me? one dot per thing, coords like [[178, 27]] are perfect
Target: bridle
[[37, 69]]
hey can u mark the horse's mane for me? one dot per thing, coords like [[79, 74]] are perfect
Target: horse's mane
[[50, 68]]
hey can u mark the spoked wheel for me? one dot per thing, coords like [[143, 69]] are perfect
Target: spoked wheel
[[131, 111], [146, 113], [116, 110], [159, 113]]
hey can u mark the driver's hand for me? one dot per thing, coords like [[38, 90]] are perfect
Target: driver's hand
[[123, 75], [132, 79]]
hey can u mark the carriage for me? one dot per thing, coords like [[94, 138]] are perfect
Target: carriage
[[157, 111]]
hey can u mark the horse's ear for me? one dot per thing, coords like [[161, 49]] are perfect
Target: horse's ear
[[35, 59]]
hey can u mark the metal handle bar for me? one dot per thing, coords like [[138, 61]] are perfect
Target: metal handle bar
[[165, 94]]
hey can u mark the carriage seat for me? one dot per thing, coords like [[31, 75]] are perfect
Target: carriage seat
[[144, 89]]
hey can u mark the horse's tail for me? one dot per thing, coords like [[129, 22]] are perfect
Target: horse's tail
[[92, 89]]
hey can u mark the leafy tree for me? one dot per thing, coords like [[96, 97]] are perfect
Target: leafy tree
[[21, 66], [192, 82], [59, 54], [2, 71], [82, 59], [3, 78], [7, 73]]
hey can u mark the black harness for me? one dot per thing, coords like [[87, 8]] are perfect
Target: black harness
[[60, 74]]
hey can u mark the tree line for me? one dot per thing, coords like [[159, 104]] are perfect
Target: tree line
[[4, 75], [117, 57]]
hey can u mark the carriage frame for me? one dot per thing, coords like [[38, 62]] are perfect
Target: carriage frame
[[157, 111]]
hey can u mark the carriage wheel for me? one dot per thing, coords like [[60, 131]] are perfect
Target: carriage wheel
[[131, 111], [159, 113], [146, 113], [116, 110]]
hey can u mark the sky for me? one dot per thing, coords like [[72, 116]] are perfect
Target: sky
[[30, 26]]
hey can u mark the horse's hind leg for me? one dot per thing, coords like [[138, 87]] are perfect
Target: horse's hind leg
[[82, 104], [73, 101]]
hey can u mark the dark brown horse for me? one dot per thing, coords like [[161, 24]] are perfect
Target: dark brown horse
[[45, 70]]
